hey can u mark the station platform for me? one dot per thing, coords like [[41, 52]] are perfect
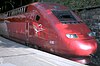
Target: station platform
[[15, 54]]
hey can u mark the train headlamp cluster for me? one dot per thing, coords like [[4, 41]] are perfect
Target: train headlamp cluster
[[91, 34], [71, 36]]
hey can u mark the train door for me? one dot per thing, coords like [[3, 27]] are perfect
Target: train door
[[33, 27], [36, 30]]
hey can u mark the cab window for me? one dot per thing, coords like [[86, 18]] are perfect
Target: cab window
[[37, 18]]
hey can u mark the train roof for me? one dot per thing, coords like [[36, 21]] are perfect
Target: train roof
[[48, 5]]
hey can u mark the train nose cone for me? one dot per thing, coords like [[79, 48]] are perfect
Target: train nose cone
[[85, 48]]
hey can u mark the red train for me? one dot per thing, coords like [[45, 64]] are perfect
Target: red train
[[51, 27]]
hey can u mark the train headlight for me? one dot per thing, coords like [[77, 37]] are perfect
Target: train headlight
[[71, 35], [92, 34]]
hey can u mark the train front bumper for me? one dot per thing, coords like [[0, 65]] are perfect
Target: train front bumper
[[83, 47]]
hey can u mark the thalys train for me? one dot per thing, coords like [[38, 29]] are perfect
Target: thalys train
[[51, 27]]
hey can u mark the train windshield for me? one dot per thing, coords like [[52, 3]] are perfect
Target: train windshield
[[65, 16]]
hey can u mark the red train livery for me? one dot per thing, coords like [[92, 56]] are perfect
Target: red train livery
[[51, 27]]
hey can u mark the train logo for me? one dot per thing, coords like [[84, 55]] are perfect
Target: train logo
[[38, 28]]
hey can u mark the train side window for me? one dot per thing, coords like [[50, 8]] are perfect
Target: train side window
[[37, 18]]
